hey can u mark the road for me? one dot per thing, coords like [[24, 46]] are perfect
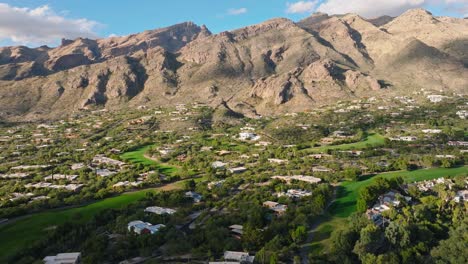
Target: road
[[305, 248]]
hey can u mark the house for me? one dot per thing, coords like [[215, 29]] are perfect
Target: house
[[237, 230], [101, 159], [215, 184], [461, 196], [309, 179], [320, 156], [463, 114], [278, 208], [432, 131], [404, 138], [385, 202], [278, 161], [127, 183], [31, 167], [295, 193], [248, 136], [436, 98], [61, 177], [141, 227], [354, 153], [218, 165], [458, 143], [64, 258], [241, 257], [159, 210], [19, 196], [263, 143], [196, 197], [237, 170], [321, 169], [14, 176], [445, 156], [105, 172]]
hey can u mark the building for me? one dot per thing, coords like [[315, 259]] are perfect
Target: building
[[141, 227], [432, 131], [321, 169], [19, 175], [64, 258], [295, 193], [101, 159], [218, 165], [309, 179], [404, 138], [458, 143], [237, 170], [61, 177], [278, 161], [463, 114], [215, 184], [435, 98], [385, 202], [105, 172], [159, 210], [237, 230], [278, 208], [196, 197], [248, 136], [77, 166], [461, 196], [241, 257]]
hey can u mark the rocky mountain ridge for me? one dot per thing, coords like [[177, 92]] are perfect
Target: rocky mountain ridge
[[274, 67]]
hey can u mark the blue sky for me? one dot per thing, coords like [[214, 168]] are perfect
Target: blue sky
[[45, 21]]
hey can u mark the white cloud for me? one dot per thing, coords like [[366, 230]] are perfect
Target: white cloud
[[373, 8], [41, 25], [301, 7], [369, 8], [238, 11]]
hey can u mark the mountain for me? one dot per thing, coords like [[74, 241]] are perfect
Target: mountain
[[273, 67]]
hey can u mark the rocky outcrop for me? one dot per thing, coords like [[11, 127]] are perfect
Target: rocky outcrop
[[273, 67]]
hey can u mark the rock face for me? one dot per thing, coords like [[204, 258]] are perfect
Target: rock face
[[273, 67]]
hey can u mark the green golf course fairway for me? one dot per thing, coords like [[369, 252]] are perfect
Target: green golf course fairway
[[345, 203], [347, 193], [373, 140], [138, 156], [19, 234], [22, 232]]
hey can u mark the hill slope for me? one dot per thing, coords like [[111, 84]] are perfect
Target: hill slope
[[273, 67]]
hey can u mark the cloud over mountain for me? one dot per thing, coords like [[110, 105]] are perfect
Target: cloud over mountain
[[301, 7], [41, 25]]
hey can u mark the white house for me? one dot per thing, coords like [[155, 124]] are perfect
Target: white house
[[218, 165], [461, 196], [309, 179], [248, 136], [237, 170], [141, 227], [63, 258], [432, 131], [196, 197], [159, 210], [242, 257]]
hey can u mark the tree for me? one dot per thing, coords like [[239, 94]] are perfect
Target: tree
[[453, 249], [370, 240], [398, 234], [299, 234]]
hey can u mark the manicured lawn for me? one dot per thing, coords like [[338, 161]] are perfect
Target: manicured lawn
[[345, 203], [138, 156], [373, 140], [18, 235]]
